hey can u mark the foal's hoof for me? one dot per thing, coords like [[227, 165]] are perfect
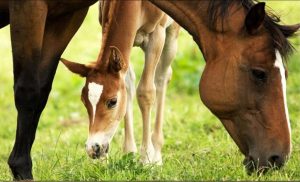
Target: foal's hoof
[[147, 157], [157, 159], [154, 160]]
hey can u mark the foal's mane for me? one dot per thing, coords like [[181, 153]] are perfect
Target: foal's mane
[[279, 33]]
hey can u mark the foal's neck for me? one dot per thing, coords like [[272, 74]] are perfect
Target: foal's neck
[[119, 29]]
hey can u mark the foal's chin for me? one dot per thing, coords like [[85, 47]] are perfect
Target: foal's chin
[[101, 158]]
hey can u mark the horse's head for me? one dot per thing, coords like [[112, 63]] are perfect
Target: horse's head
[[244, 85], [104, 96]]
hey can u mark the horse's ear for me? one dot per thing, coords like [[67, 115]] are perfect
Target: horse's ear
[[289, 30], [255, 18], [116, 61], [77, 68]]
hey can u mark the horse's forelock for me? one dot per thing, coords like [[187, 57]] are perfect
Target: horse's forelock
[[279, 33]]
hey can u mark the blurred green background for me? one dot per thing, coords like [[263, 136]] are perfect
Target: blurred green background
[[196, 144]]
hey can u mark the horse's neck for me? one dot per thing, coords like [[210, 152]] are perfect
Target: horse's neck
[[119, 27], [193, 16]]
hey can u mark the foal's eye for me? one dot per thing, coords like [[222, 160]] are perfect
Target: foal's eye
[[259, 74], [111, 103]]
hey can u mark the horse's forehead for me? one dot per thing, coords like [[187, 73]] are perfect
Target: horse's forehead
[[260, 54]]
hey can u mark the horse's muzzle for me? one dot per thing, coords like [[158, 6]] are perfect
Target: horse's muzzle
[[262, 166]]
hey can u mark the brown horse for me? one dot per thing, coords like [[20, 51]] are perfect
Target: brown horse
[[242, 47], [243, 82], [152, 30], [40, 31]]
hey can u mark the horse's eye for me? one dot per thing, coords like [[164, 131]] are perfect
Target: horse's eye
[[111, 103], [259, 75]]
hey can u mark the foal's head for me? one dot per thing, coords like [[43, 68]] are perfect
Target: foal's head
[[244, 84], [104, 96]]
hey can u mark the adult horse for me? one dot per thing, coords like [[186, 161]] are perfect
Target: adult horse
[[244, 80], [40, 31], [156, 33]]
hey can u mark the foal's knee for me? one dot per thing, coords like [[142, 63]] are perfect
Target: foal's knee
[[146, 95]]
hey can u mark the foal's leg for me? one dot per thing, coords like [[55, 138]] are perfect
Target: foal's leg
[[129, 142], [162, 76], [146, 89], [35, 62]]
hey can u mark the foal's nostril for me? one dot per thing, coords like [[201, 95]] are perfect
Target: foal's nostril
[[99, 150], [96, 149], [96, 146]]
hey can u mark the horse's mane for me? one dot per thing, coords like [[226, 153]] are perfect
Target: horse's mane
[[279, 33]]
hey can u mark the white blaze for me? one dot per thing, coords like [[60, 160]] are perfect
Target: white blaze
[[95, 91], [279, 64]]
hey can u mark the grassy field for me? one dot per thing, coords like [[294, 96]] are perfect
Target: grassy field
[[197, 147]]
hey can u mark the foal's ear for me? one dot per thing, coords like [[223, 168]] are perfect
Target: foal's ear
[[255, 17], [116, 61], [77, 68]]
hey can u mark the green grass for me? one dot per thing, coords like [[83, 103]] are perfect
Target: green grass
[[197, 147]]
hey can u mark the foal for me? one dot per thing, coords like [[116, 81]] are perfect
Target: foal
[[125, 24]]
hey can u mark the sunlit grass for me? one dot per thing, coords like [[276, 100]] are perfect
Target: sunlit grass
[[197, 147]]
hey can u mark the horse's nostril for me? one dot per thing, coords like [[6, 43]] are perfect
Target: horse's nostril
[[257, 164], [250, 164], [276, 161], [273, 158]]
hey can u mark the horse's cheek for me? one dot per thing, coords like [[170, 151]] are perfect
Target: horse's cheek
[[217, 89]]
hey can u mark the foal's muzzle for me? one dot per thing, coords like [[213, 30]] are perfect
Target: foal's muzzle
[[97, 151], [255, 164]]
